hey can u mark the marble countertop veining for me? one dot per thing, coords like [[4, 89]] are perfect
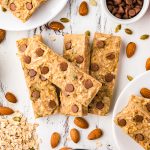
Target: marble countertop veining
[[12, 78]]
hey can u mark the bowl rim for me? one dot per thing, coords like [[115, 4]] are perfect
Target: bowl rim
[[126, 21]]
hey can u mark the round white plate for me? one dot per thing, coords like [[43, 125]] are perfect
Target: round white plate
[[44, 14], [123, 141]]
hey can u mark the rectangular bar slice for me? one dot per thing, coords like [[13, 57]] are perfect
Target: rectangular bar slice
[[134, 119], [22, 9], [70, 79], [42, 92], [104, 66], [77, 51]]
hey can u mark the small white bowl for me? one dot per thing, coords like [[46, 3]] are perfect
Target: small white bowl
[[126, 21]]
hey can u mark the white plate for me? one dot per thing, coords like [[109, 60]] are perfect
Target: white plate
[[44, 14], [123, 141]]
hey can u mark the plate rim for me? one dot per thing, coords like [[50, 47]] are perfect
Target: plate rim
[[38, 25], [117, 102]]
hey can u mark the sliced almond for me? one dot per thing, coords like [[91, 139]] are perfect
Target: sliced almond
[[145, 92], [130, 50], [95, 134], [81, 122], [11, 97], [83, 9], [75, 135], [6, 111], [55, 139]]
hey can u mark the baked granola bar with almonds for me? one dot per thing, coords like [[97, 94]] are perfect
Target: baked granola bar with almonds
[[70, 79], [104, 66], [77, 51], [22, 9], [134, 119], [42, 92]]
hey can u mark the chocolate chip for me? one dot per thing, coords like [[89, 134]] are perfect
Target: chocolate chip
[[120, 10], [32, 73], [43, 78], [68, 45], [94, 67], [88, 83], [122, 122], [63, 66], [100, 105], [118, 2], [137, 9], [52, 104], [100, 44], [23, 47], [69, 88], [132, 12], [148, 106], [39, 52], [35, 94], [118, 16], [44, 70], [129, 2], [139, 137], [109, 77], [29, 6], [79, 59], [12, 7], [110, 56], [27, 59], [110, 8], [138, 118], [75, 108]]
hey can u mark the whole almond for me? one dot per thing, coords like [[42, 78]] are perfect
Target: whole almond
[[147, 66], [145, 92], [95, 134], [2, 35], [83, 9], [75, 135], [81, 122], [66, 148], [11, 97], [56, 26], [130, 50], [5, 111], [55, 139]]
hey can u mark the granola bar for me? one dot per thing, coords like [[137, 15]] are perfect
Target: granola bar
[[77, 51], [22, 9], [42, 92], [104, 66], [134, 119], [70, 79]]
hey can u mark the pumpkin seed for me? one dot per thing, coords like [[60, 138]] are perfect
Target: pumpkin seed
[[88, 33], [64, 20], [18, 119], [130, 78], [3, 9], [144, 37], [118, 28], [128, 31], [93, 3]]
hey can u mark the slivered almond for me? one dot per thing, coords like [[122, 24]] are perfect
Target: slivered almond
[[81, 122], [11, 97], [95, 134], [55, 139], [6, 111], [75, 135], [145, 92]]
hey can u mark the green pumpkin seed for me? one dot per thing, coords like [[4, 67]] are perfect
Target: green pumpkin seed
[[144, 37], [128, 31], [88, 33], [17, 119], [64, 20], [118, 28], [130, 78], [3, 9], [93, 3]]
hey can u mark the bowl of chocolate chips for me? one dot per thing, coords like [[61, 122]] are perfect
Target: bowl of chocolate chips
[[125, 11]]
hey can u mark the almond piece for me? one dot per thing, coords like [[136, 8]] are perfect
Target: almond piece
[[11, 97], [130, 50], [81, 122], [75, 135], [66, 148], [2, 35], [56, 26], [55, 139], [147, 66], [5, 111], [145, 92], [83, 9], [95, 134]]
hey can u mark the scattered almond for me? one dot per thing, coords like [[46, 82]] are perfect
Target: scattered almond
[[130, 49], [56, 26], [66, 148], [6, 111], [145, 92], [95, 134], [83, 9], [11, 97], [2, 35], [147, 66], [55, 139], [75, 135], [81, 122]]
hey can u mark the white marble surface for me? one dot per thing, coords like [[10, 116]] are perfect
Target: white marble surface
[[12, 78]]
